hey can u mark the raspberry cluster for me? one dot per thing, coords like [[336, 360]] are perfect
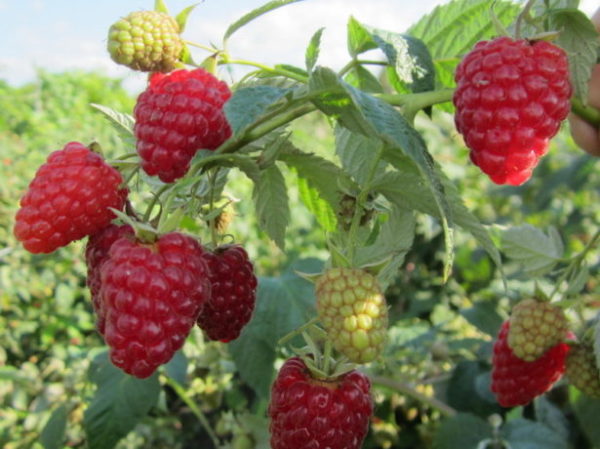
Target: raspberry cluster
[[178, 114], [69, 198], [353, 311], [510, 99], [517, 382], [535, 327], [233, 286], [308, 412], [148, 41]]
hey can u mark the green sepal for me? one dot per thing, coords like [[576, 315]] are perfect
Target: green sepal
[[144, 232], [160, 6], [183, 16]]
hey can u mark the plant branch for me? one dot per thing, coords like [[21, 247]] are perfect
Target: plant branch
[[406, 389], [273, 70], [588, 113], [203, 47], [415, 102]]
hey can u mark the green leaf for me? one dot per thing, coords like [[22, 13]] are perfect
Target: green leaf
[[282, 304], [536, 252], [119, 403], [394, 130], [579, 279], [53, 434], [321, 174], [524, 434], [334, 101], [406, 187], [360, 77], [177, 368], [247, 18], [123, 123], [587, 411], [312, 51], [183, 16], [551, 416], [359, 39], [463, 431], [579, 38], [356, 154], [452, 29], [463, 392], [408, 56], [321, 209], [484, 316], [394, 240], [248, 104], [272, 204]]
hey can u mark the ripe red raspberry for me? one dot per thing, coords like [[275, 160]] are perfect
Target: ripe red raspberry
[[233, 293], [96, 253], [68, 198], [310, 413], [151, 295], [510, 99], [516, 382], [177, 115]]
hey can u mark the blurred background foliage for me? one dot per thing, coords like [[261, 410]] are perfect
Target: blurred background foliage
[[438, 360]]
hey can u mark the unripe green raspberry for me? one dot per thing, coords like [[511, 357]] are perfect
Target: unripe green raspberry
[[582, 370], [535, 327], [353, 311], [148, 41]]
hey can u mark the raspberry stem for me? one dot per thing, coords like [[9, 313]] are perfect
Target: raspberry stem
[[588, 113], [299, 330], [575, 264], [180, 391], [273, 70], [203, 47]]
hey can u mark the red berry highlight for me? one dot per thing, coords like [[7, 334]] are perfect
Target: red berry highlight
[[177, 115], [233, 287], [517, 382], [319, 414], [510, 99], [68, 199], [151, 295]]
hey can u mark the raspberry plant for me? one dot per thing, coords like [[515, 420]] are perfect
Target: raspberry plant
[[159, 259]]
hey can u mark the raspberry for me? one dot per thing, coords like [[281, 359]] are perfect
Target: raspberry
[[582, 370], [151, 295], [233, 293], [510, 99], [535, 327], [516, 382], [69, 198], [310, 413], [353, 310], [177, 115], [148, 41], [96, 252]]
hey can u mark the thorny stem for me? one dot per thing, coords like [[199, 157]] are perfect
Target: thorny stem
[[232, 145], [158, 194], [283, 340], [273, 70], [213, 221], [410, 391], [203, 47], [194, 408], [522, 16], [588, 113], [356, 62], [575, 263]]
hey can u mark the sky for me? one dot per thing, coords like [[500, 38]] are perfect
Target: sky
[[65, 34]]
